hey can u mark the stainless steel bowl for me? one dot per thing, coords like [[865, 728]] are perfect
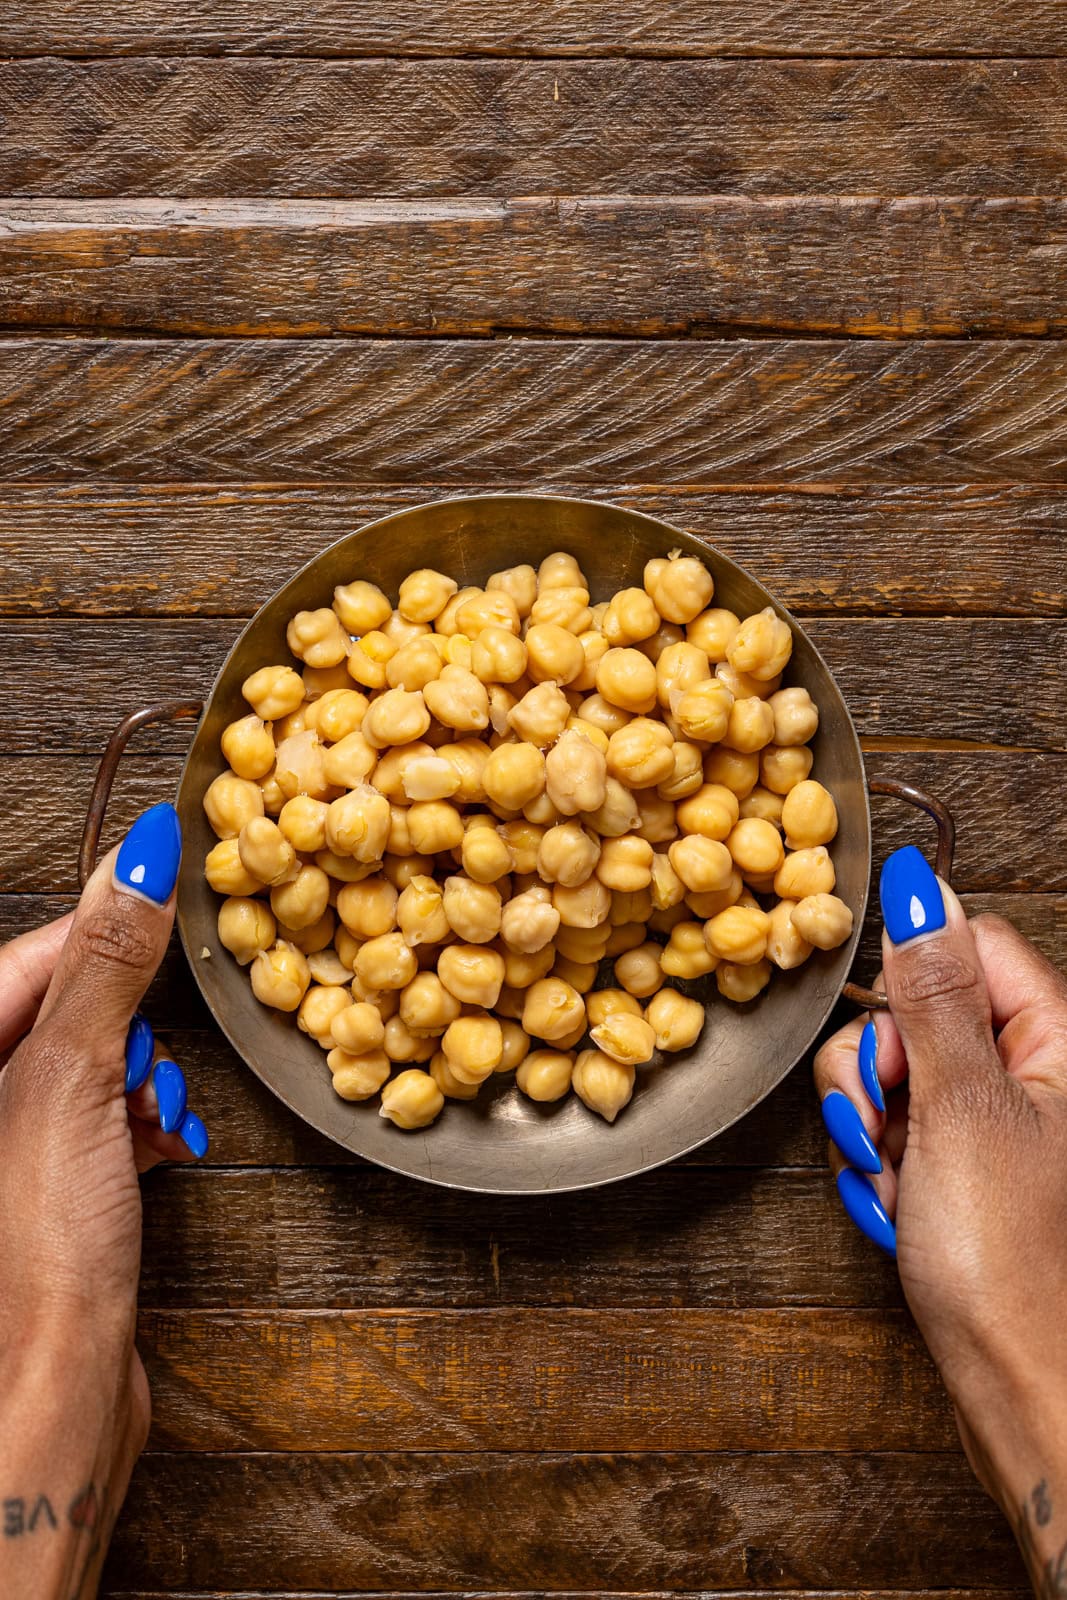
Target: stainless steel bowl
[[502, 1142]]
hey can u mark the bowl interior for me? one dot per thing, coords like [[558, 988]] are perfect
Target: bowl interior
[[502, 1142]]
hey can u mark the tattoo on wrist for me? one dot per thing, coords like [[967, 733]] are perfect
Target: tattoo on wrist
[[1048, 1572], [88, 1515]]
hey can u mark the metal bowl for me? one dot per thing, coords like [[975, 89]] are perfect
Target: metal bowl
[[502, 1142]]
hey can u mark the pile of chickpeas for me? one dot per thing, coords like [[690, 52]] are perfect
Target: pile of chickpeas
[[432, 833]]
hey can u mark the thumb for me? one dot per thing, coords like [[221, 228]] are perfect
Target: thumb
[[935, 982], [116, 943]]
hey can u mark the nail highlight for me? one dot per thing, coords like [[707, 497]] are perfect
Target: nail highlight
[[168, 1080], [194, 1134], [911, 896], [868, 1058], [150, 854], [845, 1127], [863, 1207], [140, 1047]]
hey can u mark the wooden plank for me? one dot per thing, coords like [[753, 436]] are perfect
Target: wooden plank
[[99, 550], [631, 265], [892, 671], [508, 1380], [694, 1521], [527, 27], [993, 794], [663, 1594], [534, 412], [208, 128]]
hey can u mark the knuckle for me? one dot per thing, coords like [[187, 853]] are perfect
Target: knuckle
[[116, 941], [939, 974]]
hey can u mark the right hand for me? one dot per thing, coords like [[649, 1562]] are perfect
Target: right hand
[[972, 1057]]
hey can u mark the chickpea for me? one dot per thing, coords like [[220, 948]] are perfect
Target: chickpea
[[314, 938], [630, 617], [796, 716], [344, 868], [226, 873], [320, 1005], [396, 717], [823, 920], [369, 657], [386, 962], [625, 863], [450, 1086], [541, 715], [602, 714], [742, 983], [273, 692], [542, 812], [318, 681], [357, 824], [518, 582], [248, 745], [295, 722], [687, 954], [280, 977], [583, 944], [266, 852], [568, 854], [732, 770], [712, 811], [368, 909], [529, 921], [625, 936], [472, 909], [709, 904], [581, 975], [641, 754], [300, 766], [680, 587], [553, 653], [273, 798], [446, 623], [667, 887], [565, 607], [401, 869], [458, 700], [625, 1038], [487, 608], [756, 847], [402, 632], [326, 967], [470, 758], [473, 1047], [605, 1003], [471, 972], [738, 934], [426, 1006], [514, 775], [428, 777], [666, 921], [523, 840], [713, 632], [618, 814], [594, 648], [809, 815], [358, 1028], [523, 967], [751, 725], [703, 712], [484, 855], [358, 1077], [411, 1100], [785, 946], [761, 646], [245, 928], [317, 638], [626, 678], [702, 864], [230, 802], [676, 1021], [782, 768], [639, 972], [361, 606], [400, 1044], [545, 1075], [303, 900], [516, 1047], [424, 594], [804, 873], [584, 906], [350, 762], [656, 817], [552, 1009], [414, 665], [604, 1085], [630, 906], [680, 667], [763, 803], [666, 634], [346, 947], [743, 686], [337, 713], [560, 570], [497, 656], [575, 774], [688, 774], [434, 825]]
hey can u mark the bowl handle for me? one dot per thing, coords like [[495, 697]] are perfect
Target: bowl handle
[[870, 999], [166, 711]]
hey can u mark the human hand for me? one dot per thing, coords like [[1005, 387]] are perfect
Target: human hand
[[955, 1104], [86, 1103]]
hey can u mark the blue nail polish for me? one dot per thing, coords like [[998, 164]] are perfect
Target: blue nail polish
[[194, 1133], [169, 1081], [863, 1207], [845, 1127], [910, 895], [140, 1047], [869, 1067], [149, 855]]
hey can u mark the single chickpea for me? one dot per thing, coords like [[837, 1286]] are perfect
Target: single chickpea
[[703, 712], [484, 855], [450, 1086], [273, 692], [666, 634], [402, 632], [581, 975], [575, 774], [273, 798], [809, 815], [358, 1028], [472, 909], [552, 1009], [497, 656], [761, 646], [326, 967], [796, 716], [336, 714], [471, 972], [785, 946], [344, 868], [756, 847], [346, 946], [317, 638], [245, 928], [560, 571], [711, 811], [763, 803], [625, 1038], [401, 1045], [350, 761], [434, 825], [625, 863], [630, 905], [396, 717], [783, 768], [666, 921], [686, 954], [523, 840], [518, 582], [710, 903], [369, 657], [316, 1013], [226, 873], [230, 802], [303, 900], [713, 632], [359, 1075], [594, 648], [702, 864], [823, 920], [568, 854], [386, 962], [751, 726], [625, 936], [315, 937], [357, 824], [514, 774], [280, 977], [523, 967], [426, 1006], [657, 824], [583, 944], [584, 906], [398, 840], [401, 869], [545, 1075], [473, 1047], [361, 606], [541, 715], [618, 814], [516, 1047], [630, 617], [424, 594], [626, 678], [426, 776], [743, 686], [553, 653], [470, 758], [295, 722], [738, 934], [604, 1085], [487, 608], [639, 972], [641, 754], [319, 681], [676, 1021], [458, 700], [542, 812], [732, 770], [420, 912], [368, 909], [680, 587], [605, 1003], [446, 624], [300, 766], [411, 1100], [529, 921], [414, 665], [266, 852], [248, 745], [602, 714], [680, 667], [566, 607], [667, 887], [688, 774], [742, 983]]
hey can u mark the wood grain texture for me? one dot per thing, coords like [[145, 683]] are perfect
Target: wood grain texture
[[534, 412], [376, 128], [560, 1521], [892, 672], [505, 1380], [100, 550], [630, 265], [630, 1594], [993, 794], [526, 27]]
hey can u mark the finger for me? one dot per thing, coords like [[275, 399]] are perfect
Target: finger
[[868, 1201], [1029, 1001], [114, 947], [891, 1063], [163, 1097], [935, 983], [26, 967], [151, 1145], [853, 1119]]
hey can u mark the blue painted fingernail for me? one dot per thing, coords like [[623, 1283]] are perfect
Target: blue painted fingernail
[[911, 896], [140, 1047], [194, 1133], [863, 1207], [150, 854], [169, 1082], [845, 1127], [869, 1067]]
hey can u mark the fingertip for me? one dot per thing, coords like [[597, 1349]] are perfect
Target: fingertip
[[194, 1135], [147, 861], [865, 1210]]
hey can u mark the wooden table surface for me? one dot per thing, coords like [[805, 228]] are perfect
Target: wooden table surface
[[791, 276]]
